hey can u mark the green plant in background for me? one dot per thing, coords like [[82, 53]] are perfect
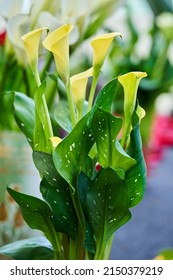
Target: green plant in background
[[166, 254], [147, 46], [81, 207]]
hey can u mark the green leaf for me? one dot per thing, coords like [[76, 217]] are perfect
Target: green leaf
[[55, 191], [136, 175], [37, 248], [83, 186], [106, 96], [20, 106], [24, 111], [36, 212], [105, 128], [39, 136], [107, 205], [50, 90], [62, 115], [70, 155], [41, 129], [88, 167], [7, 121]]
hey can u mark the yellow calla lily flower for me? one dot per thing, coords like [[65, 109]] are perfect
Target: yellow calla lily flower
[[55, 141], [101, 45], [58, 43], [130, 83], [78, 85], [31, 43]]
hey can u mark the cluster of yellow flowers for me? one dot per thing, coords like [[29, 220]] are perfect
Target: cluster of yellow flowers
[[57, 42]]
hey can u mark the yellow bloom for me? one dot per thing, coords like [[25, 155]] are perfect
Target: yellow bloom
[[130, 83], [101, 45], [55, 141], [31, 43], [58, 43], [78, 86]]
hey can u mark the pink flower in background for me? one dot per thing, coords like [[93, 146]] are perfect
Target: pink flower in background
[[162, 138], [2, 38]]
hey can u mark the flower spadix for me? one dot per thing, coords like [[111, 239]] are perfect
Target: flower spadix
[[78, 86], [130, 83], [101, 45], [58, 43], [55, 141], [31, 43]]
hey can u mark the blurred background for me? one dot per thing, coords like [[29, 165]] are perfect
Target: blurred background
[[146, 45]]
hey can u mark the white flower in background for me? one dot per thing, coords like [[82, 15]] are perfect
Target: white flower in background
[[52, 14], [10, 8], [2, 25], [37, 7], [71, 10], [165, 22], [164, 104], [16, 27]]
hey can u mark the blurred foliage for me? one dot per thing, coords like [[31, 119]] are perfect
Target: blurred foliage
[[155, 61], [166, 254], [160, 5]]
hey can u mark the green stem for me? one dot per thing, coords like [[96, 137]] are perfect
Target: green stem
[[27, 85], [80, 242], [5, 69], [46, 111], [71, 104], [50, 92], [78, 246], [158, 68], [108, 248], [103, 249], [56, 244], [92, 91], [72, 250], [126, 132]]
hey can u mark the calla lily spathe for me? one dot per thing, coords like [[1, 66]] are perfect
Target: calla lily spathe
[[31, 43], [130, 83], [58, 43], [78, 86], [101, 45]]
